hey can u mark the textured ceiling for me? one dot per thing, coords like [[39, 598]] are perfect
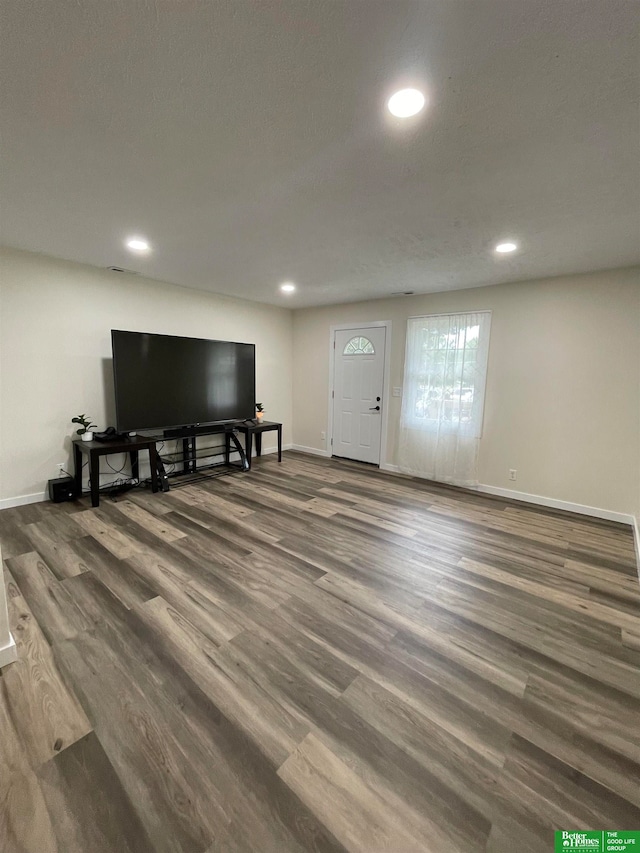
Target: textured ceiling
[[249, 141]]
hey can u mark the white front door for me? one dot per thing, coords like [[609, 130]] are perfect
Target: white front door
[[358, 377]]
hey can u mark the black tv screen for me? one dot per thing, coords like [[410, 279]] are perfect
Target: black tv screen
[[165, 381]]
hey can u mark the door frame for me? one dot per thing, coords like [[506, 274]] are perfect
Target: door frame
[[371, 324]]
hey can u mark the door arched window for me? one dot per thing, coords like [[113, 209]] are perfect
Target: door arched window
[[359, 346]]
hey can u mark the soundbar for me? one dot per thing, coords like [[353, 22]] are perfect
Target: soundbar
[[190, 431]]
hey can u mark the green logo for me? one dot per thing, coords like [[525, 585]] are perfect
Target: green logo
[[598, 841]]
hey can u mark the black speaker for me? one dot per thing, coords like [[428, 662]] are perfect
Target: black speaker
[[62, 489]]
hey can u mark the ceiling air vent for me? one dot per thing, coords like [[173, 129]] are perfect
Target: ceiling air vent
[[122, 269], [403, 292]]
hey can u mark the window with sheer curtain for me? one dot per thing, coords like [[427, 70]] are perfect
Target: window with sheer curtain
[[443, 400]]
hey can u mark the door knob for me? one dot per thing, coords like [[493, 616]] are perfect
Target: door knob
[[374, 408]]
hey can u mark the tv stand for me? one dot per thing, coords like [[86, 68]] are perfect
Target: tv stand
[[187, 459]]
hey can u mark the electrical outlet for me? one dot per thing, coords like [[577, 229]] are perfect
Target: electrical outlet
[[61, 466], [513, 474], [323, 435]]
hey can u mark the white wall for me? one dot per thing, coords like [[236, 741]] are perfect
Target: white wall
[[55, 353], [563, 389]]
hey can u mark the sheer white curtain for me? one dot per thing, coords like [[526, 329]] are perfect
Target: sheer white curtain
[[445, 373]]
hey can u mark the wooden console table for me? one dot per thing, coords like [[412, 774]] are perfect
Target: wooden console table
[[250, 430], [95, 449]]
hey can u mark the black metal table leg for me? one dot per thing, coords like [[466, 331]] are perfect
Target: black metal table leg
[[249, 448], [77, 470], [153, 462], [245, 463], [135, 467], [94, 476]]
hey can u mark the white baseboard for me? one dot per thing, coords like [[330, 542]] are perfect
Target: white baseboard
[[22, 500], [273, 449], [8, 653], [314, 451], [636, 539], [392, 469], [265, 451], [553, 503]]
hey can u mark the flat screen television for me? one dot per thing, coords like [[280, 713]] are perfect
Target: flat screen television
[[164, 381]]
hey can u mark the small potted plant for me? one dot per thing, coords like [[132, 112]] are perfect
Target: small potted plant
[[259, 412], [86, 428]]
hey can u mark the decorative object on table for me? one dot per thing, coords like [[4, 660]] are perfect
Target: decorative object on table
[[259, 412], [86, 428]]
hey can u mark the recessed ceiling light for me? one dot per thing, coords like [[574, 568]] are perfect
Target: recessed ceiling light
[[287, 287], [406, 103], [138, 244], [505, 248]]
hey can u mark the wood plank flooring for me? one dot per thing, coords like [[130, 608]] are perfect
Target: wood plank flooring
[[316, 656]]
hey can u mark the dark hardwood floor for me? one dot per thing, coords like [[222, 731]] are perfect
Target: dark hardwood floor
[[316, 656]]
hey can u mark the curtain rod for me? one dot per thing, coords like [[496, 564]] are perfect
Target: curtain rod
[[450, 314]]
